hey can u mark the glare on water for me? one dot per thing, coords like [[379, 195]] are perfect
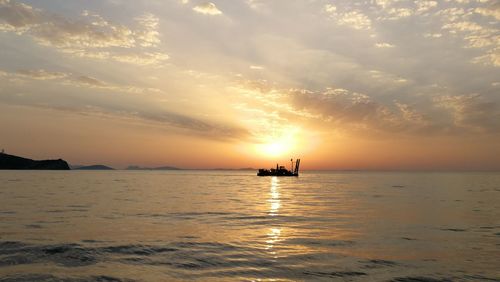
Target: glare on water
[[224, 225]]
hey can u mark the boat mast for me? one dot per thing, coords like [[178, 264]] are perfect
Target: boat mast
[[297, 164]]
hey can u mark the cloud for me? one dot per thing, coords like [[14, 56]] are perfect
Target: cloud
[[253, 67], [472, 112], [386, 77], [462, 26], [163, 120], [41, 74], [330, 8], [384, 45], [433, 35], [491, 11], [425, 5], [410, 115], [90, 36], [207, 8], [451, 14], [385, 3], [88, 81], [92, 82], [492, 57], [256, 4], [143, 59], [337, 108], [353, 18], [346, 109], [394, 9], [355, 112], [217, 131], [60, 32], [64, 78], [148, 35], [18, 17], [475, 32], [136, 109]]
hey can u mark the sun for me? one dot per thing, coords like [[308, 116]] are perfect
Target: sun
[[278, 146], [274, 149]]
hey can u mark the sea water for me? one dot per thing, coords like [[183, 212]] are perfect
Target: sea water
[[235, 226]]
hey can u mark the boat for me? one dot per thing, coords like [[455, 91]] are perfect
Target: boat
[[281, 170]]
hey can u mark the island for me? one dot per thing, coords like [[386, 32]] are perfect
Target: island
[[135, 167], [93, 167], [14, 162]]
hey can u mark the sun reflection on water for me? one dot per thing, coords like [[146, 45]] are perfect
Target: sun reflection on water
[[274, 199], [274, 234]]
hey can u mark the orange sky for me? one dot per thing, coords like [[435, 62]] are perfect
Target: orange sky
[[119, 143], [381, 85]]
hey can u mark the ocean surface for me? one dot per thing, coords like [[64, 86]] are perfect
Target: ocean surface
[[235, 226]]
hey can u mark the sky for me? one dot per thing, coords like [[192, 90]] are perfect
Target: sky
[[374, 84]]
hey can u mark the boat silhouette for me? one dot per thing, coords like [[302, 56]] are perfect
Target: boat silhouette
[[281, 170]]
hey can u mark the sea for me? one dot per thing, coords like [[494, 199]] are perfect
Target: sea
[[234, 226]]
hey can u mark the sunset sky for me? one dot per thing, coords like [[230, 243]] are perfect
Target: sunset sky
[[375, 84]]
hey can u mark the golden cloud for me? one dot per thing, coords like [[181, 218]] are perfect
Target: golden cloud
[[91, 36], [207, 8]]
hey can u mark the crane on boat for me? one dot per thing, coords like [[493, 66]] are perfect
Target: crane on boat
[[281, 170]]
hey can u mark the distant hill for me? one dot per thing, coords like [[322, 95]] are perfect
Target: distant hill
[[93, 167], [222, 168], [166, 168], [14, 162], [134, 167]]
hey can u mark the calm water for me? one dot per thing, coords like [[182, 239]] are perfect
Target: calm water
[[168, 226]]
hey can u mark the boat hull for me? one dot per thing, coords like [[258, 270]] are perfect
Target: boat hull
[[273, 173], [280, 170]]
